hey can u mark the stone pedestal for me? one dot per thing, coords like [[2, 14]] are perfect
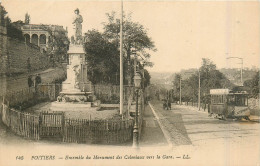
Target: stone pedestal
[[76, 88], [77, 93], [76, 71]]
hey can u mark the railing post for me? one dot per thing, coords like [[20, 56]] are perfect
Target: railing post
[[40, 124], [63, 126], [135, 132]]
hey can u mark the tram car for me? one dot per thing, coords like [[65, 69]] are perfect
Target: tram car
[[229, 104]]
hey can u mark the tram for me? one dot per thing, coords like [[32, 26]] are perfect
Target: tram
[[229, 104]]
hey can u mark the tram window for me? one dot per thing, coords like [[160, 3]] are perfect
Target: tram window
[[232, 100], [217, 99], [237, 100], [241, 100]]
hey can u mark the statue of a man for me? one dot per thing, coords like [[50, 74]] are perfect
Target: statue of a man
[[77, 26]]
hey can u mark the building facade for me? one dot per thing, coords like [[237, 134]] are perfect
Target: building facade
[[40, 35]]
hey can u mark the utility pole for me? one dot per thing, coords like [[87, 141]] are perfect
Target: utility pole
[[180, 89], [199, 92], [121, 62], [241, 72]]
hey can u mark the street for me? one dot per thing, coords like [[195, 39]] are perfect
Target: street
[[207, 136], [188, 126]]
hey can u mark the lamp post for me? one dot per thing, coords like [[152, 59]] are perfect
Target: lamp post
[[137, 82], [121, 62], [241, 70]]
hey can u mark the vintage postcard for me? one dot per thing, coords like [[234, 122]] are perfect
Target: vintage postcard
[[88, 82]]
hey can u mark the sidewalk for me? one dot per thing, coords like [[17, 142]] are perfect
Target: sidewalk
[[172, 124], [152, 134]]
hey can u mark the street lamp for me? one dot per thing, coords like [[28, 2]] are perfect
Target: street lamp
[[241, 70], [137, 82], [121, 62]]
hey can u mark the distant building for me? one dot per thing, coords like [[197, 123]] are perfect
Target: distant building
[[40, 35]]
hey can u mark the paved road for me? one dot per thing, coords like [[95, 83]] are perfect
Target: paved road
[[187, 126], [231, 140]]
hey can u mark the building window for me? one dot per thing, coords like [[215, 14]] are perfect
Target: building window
[[42, 39], [35, 39]]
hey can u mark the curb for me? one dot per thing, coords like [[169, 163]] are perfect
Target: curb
[[165, 132]]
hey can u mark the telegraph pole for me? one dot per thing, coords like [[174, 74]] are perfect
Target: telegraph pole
[[121, 62], [180, 89], [199, 91], [241, 72]]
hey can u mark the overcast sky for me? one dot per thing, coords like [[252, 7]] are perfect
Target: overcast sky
[[183, 32]]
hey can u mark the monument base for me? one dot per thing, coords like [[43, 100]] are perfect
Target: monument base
[[71, 107], [76, 99], [75, 96]]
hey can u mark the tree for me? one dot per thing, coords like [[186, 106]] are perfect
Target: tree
[[58, 43], [3, 13], [210, 78], [147, 78], [102, 57], [136, 40], [13, 30], [103, 50], [253, 85], [176, 86]]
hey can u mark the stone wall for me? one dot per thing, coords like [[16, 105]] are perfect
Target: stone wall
[[18, 57], [12, 84], [3, 49], [25, 57]]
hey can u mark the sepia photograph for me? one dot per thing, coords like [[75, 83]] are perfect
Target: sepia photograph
[[129, 82]]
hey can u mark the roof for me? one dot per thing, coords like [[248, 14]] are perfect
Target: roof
[[219, 91], [238, 92], [226, 92]]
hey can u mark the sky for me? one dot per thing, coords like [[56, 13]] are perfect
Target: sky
[[184, 32]]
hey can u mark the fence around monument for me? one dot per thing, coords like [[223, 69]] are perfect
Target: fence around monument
[[20, 123], [54, 124], [98, 131]]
